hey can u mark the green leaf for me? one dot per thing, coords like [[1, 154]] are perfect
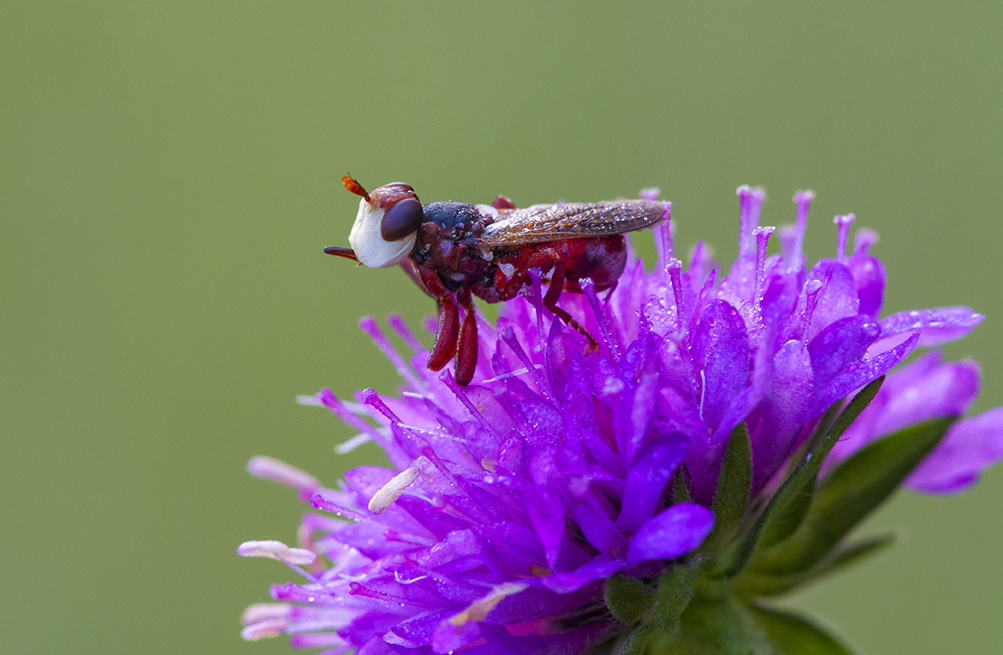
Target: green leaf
[[787, 519], [731, 498], [637, 641], [675, 591], [628, 598], [717, 625], [857, 551], [755, 583], [791, 634], [805, 473], [852, 491]]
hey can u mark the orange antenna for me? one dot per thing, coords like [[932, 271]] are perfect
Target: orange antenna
[[355, 187]]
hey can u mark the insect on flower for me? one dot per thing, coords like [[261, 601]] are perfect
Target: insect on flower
[[454, 251]]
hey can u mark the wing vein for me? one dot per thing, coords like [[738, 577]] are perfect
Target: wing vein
[[540, 223]]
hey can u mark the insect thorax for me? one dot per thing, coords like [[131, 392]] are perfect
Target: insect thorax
[[446, 244]]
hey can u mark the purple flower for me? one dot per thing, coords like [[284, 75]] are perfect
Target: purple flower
[[510, 503]]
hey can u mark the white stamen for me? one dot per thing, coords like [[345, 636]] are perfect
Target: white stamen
[[392, 490], [265, 611], [511, 374], [264, 629], [273, 469], [276, 550]]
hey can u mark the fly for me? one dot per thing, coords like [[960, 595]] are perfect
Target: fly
[[455, 251]]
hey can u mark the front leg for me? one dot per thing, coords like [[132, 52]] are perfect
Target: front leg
[[466, 350], [445, 334], [447, 331]]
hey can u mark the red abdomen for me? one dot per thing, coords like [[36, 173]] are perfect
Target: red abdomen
[[600, 258]]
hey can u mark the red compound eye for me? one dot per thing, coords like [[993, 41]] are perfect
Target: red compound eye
[[401, 220]]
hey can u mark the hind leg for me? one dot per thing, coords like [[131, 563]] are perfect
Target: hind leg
[[548, 259], [557, 280]]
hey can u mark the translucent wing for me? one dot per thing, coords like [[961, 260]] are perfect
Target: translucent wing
[[539, 223]]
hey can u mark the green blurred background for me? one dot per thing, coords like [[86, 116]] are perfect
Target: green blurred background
[[169, 175]]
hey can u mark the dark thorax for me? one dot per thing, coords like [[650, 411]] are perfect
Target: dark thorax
[[446, 244]]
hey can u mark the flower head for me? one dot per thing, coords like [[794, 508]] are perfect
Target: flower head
[[518, 509]]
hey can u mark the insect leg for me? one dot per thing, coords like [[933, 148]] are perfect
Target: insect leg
[[449, 318], [557, 280], [445, 333], [466, 349]]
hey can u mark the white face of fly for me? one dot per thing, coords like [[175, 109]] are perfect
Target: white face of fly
[[368, 243]]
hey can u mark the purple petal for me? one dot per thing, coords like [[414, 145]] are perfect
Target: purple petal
[[859, 374], [431, 518], [546, 513], [677, 370], [923, 390], [375, 646], [673, 533], [570, 642], [936, 326], [459, 551], [417, 630], [840, 345], [367, 480], [869, 277], [368, 538], [704, 450], [634, 413], [511, 547], [970, 447], [536, 603], [914, 395], [743, 404], [599, 530], [836, 298], [647, 478], [600, 568], [721, 353], [783, 411], [639, 376], [449, 637], [368, 628], [780, 299]]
